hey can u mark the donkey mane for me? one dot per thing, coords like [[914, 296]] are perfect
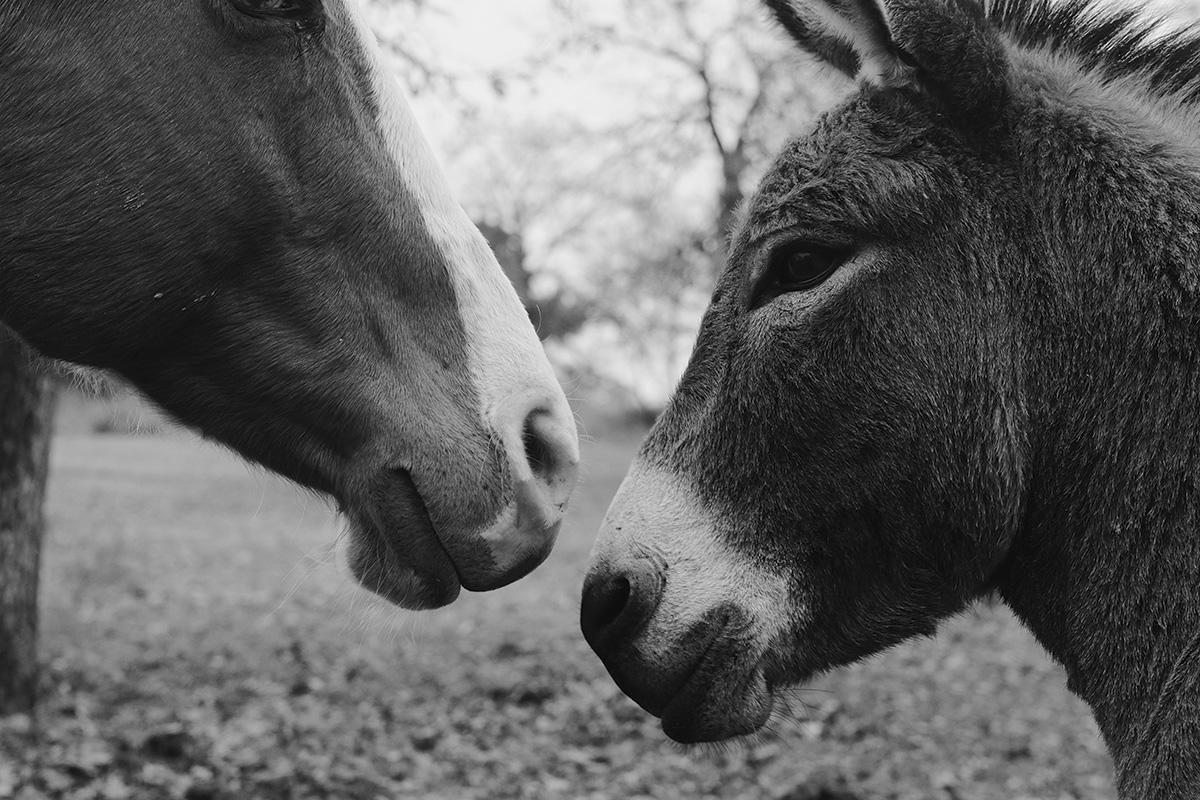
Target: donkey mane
[[1115, 43]]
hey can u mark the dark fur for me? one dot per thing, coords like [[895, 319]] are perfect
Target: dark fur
[[197, 197], [1003, 390]]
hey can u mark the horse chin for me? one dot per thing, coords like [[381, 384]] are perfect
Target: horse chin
[[397, 551], [394, 549]]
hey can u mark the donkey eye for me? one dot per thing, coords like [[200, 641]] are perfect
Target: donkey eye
[[794, 268]]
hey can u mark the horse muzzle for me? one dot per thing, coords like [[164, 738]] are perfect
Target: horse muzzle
[[419, 536], [542, 455]]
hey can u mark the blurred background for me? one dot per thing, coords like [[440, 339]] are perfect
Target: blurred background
[[201, 640]]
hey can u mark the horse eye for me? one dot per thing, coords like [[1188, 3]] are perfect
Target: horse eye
[[288, 9], [794, 268]]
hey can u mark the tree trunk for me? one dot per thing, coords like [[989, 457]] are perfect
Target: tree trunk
[[26, 412]]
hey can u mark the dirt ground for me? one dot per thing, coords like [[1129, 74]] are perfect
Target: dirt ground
[[202, 641]]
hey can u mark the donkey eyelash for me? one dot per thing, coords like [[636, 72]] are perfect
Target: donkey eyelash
[[796, 267]]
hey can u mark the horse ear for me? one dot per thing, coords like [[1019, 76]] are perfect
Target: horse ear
[[944, 47]]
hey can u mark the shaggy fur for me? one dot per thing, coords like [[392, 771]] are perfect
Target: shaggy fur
[[997, 389], [1107, 41]]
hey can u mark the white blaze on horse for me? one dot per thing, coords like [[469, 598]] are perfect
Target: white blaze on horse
[[956, 350], [229, 203]]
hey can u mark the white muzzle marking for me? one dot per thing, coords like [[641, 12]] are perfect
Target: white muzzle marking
[[657, 516], [504, 353]]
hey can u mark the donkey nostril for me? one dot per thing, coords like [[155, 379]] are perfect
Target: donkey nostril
[[617, 604], [603, 603], [613, 609]]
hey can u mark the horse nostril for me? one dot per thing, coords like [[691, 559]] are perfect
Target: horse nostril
[[615, 606], [538, 452], [542, 451]]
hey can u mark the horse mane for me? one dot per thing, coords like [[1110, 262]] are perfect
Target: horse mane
[[1112, 42]]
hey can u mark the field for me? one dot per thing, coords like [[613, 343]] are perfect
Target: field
[[202, 641]]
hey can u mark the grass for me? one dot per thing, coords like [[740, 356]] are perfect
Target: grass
[[201, 640]]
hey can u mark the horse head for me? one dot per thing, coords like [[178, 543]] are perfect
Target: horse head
[[229, 203]]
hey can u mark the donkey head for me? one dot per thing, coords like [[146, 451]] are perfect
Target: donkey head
[[841, 465]]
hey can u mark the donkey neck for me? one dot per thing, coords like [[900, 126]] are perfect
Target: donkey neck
[[1106, 568], [1106, 576], [1106, 572]]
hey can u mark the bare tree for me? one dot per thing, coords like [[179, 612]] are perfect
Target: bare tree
[[26, 410], [713, 92], [552, 314], [398, 24], [408, 31], [737, 92], [613, 159]]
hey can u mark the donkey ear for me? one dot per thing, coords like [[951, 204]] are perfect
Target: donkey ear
[[944, 47], [851, 35]]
